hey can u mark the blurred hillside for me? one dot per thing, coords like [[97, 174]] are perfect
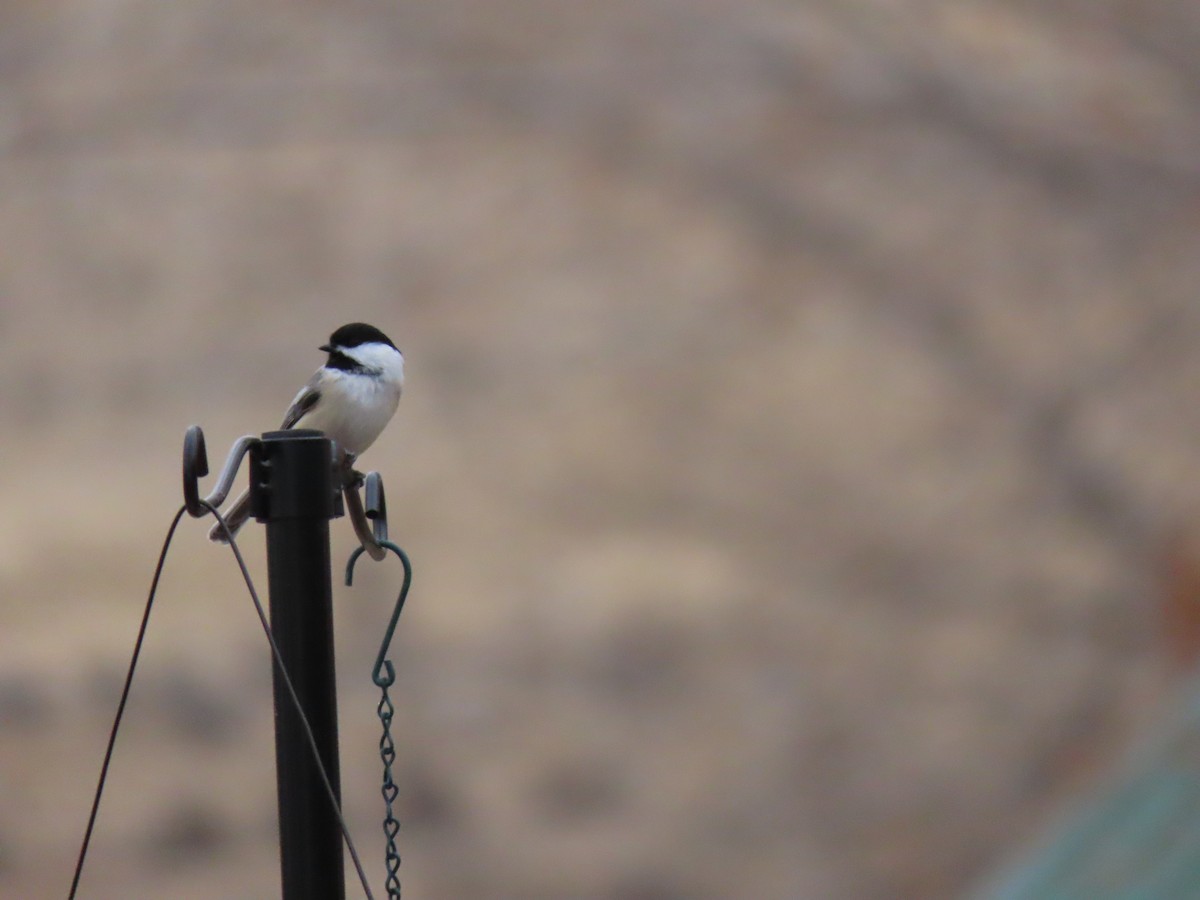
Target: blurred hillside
[[800, 398]]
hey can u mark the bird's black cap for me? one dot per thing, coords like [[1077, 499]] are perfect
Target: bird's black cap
[[354, 334]]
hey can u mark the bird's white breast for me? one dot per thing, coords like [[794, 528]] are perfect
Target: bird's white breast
[[354, 408]]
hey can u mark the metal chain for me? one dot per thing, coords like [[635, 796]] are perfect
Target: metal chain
[[391, 827]]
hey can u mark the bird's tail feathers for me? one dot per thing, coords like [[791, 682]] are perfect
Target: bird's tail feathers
[[235, 518]]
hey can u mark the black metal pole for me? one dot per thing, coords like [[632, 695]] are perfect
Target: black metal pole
[[293, 492]]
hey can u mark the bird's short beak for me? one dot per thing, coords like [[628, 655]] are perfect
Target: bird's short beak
[[326, 347]]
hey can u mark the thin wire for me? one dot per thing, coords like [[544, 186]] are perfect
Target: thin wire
[[112, 736], [137, 649]]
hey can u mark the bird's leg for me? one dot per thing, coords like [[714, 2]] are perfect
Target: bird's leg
[[350, 476]]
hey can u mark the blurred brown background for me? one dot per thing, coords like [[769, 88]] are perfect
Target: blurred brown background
[[801, 397]]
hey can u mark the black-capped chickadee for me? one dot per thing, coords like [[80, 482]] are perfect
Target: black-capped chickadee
[[350, 398]]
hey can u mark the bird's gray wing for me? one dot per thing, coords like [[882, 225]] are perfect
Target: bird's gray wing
[[305, 400]]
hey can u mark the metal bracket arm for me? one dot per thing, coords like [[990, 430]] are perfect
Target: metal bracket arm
[[195, 467], [370, 523]]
